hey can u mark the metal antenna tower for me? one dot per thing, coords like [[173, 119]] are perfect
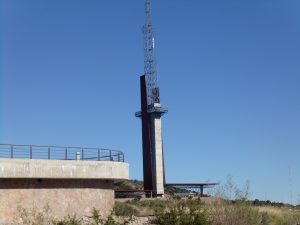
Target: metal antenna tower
[[151, 113], [149, 58]]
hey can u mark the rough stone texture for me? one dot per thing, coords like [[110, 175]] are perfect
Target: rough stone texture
[[63, 169], [63, 196]]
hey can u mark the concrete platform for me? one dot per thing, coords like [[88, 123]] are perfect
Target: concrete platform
[[66, 187], [63, 169]]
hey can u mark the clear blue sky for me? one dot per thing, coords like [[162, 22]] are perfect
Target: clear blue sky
[[229, 72]]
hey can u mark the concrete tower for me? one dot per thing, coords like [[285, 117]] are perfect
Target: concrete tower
[[151, 113], [153, 157]]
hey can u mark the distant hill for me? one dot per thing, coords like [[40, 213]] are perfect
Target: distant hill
[[128, 185]]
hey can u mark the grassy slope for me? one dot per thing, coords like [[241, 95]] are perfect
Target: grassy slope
[[219, 213]]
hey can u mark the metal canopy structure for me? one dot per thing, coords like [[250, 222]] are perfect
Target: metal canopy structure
[[197, 187]]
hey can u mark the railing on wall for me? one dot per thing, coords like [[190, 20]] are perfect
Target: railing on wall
[[59, 153]]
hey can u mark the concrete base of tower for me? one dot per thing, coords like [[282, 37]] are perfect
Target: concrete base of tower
[[158, 161]]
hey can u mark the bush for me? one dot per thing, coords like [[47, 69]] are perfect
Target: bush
[[70, 220], [155, 205], [124, 209], [182, 213]]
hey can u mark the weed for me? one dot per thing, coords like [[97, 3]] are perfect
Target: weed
[[182, 213], [34, 216], [70, 220], [123, 209]]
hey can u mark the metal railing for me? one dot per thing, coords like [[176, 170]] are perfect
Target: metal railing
[[59, 153]]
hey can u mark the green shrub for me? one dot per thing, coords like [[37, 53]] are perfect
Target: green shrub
[[182, 213], [155, 205], [70, 220], [96, 217], [124, 209]]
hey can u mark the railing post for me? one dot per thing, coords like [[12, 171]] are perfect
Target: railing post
[[30, 152], [48, 152], [110, 158], [77, 156], [66, 154], [12, 151], [82, 155], [118, 156], [98, 154]]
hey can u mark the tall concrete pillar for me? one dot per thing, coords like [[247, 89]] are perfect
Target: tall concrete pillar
[[158, 160], [153, 157]]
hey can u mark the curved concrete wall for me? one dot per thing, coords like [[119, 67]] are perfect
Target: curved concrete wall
[[67, 187], [63, 197], [63, 169]]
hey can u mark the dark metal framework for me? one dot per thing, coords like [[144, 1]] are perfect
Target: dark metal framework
[[149, 57], [195, 187], [59, 153]]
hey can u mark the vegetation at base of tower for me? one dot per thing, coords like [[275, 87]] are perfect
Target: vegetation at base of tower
[[42, 217], [183, 213], [230, 207], [175, 212], [124, 210]]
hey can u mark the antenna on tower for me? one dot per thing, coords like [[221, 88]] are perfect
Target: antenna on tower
[[149, 58]]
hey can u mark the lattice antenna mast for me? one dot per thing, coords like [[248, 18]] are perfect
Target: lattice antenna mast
[[149, 58]]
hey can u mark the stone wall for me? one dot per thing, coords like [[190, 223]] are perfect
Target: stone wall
[[69, 196]]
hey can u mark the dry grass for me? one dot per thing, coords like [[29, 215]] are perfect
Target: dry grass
[[215, 213]]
